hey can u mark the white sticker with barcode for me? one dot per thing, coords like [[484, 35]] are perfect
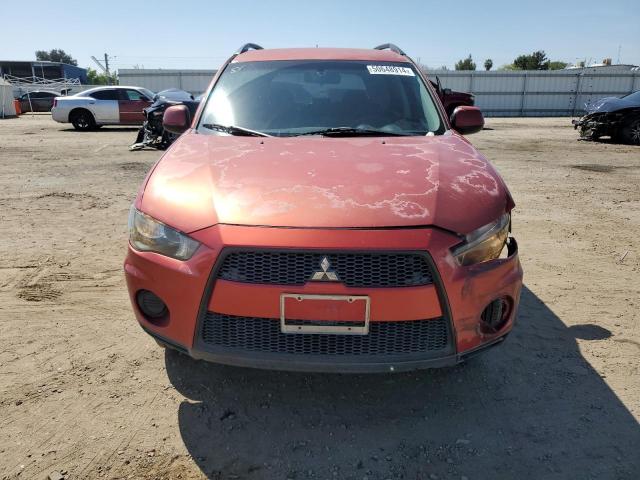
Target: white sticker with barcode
[[390, 70]]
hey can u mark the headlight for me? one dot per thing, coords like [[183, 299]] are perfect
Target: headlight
[[150, 235], [485, 243]]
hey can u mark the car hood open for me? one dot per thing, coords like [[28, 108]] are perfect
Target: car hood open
[[321, 182]]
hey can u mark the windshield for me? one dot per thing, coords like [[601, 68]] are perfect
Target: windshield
[[634, 97], [147, 92], [286, 98]]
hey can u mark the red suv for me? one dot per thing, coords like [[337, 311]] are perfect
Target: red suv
[[321, 212]]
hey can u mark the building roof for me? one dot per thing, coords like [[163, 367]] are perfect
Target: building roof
[[40, 62], [320, 54]]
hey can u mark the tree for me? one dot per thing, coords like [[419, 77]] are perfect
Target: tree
[[536, 61], [466, 64], [557, 65], [95, 78], [488, 63], [55, 55]]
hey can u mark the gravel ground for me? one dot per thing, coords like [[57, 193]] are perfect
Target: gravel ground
[[84, 393]]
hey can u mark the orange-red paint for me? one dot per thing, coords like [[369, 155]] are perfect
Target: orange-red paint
[[393, 193]]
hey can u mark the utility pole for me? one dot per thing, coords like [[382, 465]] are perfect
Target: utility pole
[[619, 48], [105, 67]]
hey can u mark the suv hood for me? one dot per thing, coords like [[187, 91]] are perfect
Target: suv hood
[[321, 182]]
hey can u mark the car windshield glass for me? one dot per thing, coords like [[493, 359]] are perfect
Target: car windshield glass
[[633, 97], [285, 98], [148, 93]]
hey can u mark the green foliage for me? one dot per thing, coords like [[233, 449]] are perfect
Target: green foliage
[[536, 61], [488, 63], [95, 78], [55, 55], [466, 64], [557, 65]]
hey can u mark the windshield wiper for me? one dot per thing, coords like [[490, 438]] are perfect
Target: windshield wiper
[[233, 130], [351, 132]]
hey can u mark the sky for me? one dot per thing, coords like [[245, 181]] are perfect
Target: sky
[[202, 34]]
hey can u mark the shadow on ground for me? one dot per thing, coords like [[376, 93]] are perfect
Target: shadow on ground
[[110, 129], [532, 408]]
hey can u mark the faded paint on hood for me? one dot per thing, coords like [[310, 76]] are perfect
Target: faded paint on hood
[[325, 182]]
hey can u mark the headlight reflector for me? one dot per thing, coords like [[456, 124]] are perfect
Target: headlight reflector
[[485, 243], [149, 235]]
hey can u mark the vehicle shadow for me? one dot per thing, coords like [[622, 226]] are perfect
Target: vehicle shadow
[[102, 129], [607, 141], [532, 408]]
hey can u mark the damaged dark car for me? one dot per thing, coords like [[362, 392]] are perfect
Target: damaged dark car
[[618, 118]]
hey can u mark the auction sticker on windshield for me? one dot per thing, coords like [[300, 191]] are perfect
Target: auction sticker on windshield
[[390, 70]]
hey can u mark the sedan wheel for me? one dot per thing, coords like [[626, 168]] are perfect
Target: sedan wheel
[[83, 121], [631, 132]]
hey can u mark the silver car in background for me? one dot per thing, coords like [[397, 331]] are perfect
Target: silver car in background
[[113, 105]]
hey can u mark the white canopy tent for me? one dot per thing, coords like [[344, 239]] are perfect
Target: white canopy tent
[[7, 108], [26, 85]]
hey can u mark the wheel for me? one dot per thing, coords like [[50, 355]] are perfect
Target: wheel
[[631, 132], [82, 120]]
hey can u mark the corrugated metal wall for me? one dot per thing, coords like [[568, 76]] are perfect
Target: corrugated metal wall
[[498, 94], [539, 93], [193, 81]]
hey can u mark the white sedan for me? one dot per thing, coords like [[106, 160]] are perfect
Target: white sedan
[[99, 106]]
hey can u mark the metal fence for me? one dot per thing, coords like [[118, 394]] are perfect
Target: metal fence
[[539, 93], [193, 81], [498, 93]]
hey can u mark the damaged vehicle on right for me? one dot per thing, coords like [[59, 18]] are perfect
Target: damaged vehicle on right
[[615, 117]]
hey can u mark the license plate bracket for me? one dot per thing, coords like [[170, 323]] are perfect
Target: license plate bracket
[[339, 327]]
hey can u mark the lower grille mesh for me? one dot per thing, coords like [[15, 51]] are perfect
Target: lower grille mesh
[[385, 338]]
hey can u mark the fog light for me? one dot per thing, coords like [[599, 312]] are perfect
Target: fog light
[[150, 304], [495, 315]]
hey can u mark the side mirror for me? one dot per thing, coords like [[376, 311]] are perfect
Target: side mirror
[[446, 91], [176, 119], [467, 120]]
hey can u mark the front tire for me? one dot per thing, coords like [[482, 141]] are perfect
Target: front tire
[[631, 132], [82, 120]]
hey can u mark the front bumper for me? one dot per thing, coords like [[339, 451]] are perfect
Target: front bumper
[[192, 290], [596, 125]]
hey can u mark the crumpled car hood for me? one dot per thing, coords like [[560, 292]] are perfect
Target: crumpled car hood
[[610, 104], [320, 182]]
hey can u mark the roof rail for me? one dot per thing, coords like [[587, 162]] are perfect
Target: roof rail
[[248, 46], [392, 47]]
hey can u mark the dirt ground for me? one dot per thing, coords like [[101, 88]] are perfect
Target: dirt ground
[[85, 393]]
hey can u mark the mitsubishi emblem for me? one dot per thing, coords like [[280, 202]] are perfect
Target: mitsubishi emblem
[[325, 275]]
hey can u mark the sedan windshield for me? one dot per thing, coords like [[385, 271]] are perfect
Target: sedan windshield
[[633, 97], [350, 98]]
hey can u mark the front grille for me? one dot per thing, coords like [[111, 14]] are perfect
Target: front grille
[[375, 269], [263, 335]]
